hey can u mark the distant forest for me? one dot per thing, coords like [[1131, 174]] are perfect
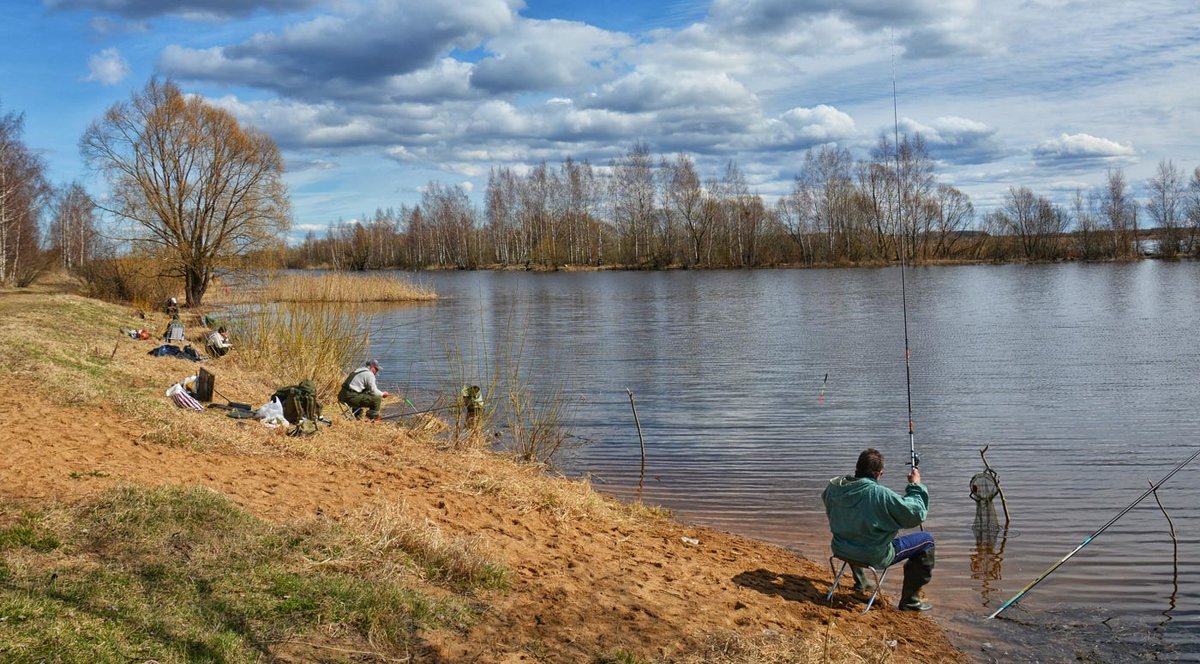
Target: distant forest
[[645, 212]]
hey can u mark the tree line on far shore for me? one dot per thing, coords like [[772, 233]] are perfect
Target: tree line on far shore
[[656, 213], [193, 195]]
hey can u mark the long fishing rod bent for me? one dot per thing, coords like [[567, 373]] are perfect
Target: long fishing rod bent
[[1091, 537], [914, 458]]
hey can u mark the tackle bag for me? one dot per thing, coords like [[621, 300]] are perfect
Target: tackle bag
[[299, 401]]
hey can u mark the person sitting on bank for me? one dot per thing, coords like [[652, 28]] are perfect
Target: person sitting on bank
[[359, 391], [217, 343], [865, 518]]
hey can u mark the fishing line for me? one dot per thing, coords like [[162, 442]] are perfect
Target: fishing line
[[1091, 537], [914, 458]]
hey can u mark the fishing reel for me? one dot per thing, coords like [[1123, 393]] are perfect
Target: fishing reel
[[915, 460]]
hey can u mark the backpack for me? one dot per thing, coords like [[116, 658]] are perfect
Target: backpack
[[299, 402]]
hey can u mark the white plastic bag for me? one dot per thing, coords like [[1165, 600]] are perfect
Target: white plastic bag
[[271, 414], [181, 386]]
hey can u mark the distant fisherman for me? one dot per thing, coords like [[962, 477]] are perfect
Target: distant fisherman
[[359, 391], [217, 343], [865, 517]]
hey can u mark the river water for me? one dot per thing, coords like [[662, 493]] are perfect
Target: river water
[[755, 387]]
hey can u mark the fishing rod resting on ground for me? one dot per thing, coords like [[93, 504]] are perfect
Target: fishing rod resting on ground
[[1091, 537], [914, 458]]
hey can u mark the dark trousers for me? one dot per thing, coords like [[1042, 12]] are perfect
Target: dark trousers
[[916, 550], [357, 401]]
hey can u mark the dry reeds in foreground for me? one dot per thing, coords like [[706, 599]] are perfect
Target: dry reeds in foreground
[[297, 341], [342, 287]]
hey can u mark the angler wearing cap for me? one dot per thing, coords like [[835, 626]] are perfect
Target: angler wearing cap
[[359, 391], [865, 518]]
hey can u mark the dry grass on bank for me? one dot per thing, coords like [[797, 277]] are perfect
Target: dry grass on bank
[[337, 287]]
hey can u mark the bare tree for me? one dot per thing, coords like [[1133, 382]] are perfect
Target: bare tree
[[797, 216], [23, 192], [73, 227], [190, 179], [1088, 240], [1034, 220], [632, 193], [449, 211], [1192, 212], [685, 202], [1119, 212], [1166, 207], [954, 214]]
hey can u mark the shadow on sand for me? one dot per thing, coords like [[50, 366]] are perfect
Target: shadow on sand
[[788, 586]]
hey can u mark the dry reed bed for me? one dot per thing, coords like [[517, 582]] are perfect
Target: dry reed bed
[[343, 287]]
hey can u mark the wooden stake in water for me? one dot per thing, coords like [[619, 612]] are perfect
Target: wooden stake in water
[[638, 422]]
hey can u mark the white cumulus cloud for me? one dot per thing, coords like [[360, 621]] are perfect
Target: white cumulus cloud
[[1085, 146], [107, 67]]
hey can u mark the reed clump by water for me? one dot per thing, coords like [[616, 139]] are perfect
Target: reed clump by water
[[342, 287], [294, 341], [533, 419]]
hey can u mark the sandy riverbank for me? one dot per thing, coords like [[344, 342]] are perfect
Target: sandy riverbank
[[590, 579]]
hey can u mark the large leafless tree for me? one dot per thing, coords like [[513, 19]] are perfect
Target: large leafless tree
[[190, 179]]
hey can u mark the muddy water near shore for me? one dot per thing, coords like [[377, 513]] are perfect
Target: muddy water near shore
[[1083, 379]]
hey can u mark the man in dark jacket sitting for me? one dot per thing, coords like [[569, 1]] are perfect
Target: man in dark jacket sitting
[[865, 518]]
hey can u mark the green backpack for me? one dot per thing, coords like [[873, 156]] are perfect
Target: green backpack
[[299, 402]]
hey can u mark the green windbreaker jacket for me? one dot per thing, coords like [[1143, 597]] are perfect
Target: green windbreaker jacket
[[865, 516]]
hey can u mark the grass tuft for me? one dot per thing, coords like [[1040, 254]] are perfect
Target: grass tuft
[[461, 562], [184, 575]]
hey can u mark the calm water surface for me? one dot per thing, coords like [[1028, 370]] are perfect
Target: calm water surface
[[1083, 379]]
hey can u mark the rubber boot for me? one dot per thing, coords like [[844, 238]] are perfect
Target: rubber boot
[[918, 570], [862, 581]]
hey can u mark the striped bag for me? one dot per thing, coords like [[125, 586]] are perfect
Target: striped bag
[[186, 401]]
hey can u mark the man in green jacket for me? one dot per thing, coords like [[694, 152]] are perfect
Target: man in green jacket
[[865, 518]]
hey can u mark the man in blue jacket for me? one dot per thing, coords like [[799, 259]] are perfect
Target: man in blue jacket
[[865, 518]]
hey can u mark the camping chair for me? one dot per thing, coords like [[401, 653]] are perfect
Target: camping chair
[[877, 575], [174, 333], [348, 413]]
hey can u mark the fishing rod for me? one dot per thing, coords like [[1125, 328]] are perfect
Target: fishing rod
[[914, 458], [418, 412], [1091, 537]]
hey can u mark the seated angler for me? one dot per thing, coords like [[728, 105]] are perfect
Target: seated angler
[[865, 518], [217, 343], [359, 391]]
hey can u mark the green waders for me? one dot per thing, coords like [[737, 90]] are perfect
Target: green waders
[[918, 570]]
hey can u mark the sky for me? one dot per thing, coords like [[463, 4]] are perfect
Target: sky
[[370, 100]]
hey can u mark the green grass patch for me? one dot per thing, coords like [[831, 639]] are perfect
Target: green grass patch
[[183, 575], [618, 656]]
